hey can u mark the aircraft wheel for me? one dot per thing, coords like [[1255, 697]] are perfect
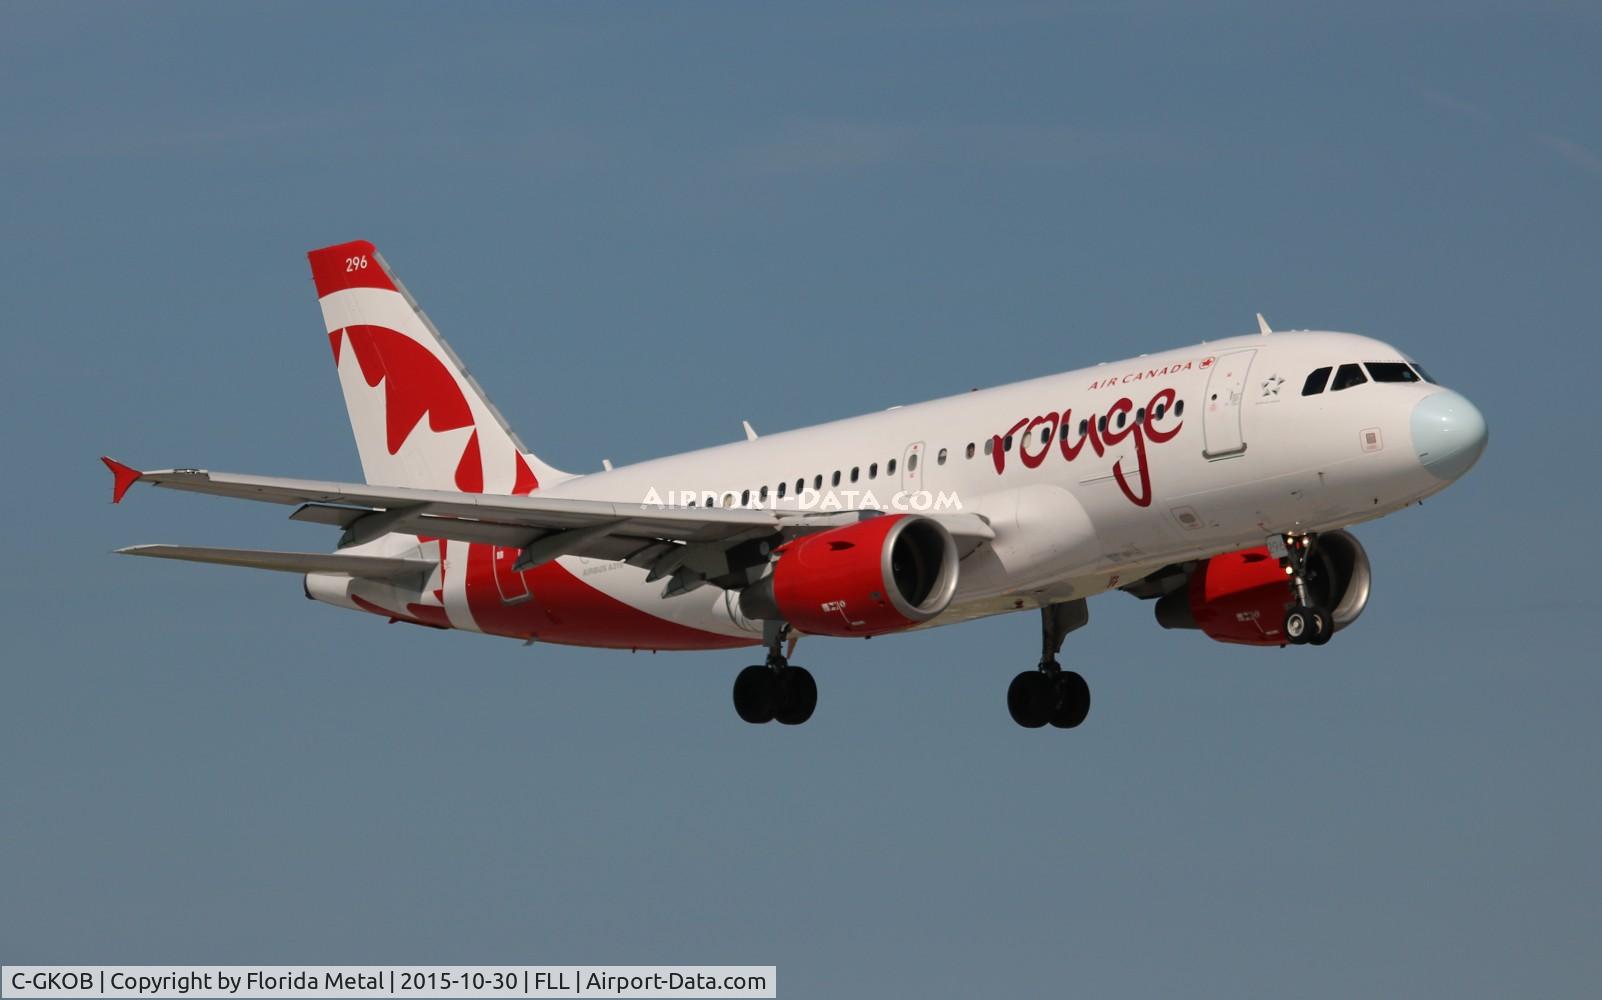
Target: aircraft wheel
[[1073, 700], [755, 694], [1299, 625], [797, 696], [1323, 627], [1031, 698]]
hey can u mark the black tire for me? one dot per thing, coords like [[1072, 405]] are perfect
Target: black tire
[[797, 696], [1031, 698], [1298, 625], [1323, 627], [1073, 700], [755, 691]]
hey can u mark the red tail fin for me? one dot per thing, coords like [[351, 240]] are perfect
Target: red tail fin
[[419, 418]]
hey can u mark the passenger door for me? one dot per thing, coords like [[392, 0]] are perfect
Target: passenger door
[[1221, 409]]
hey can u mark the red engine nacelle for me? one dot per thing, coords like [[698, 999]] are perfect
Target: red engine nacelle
[[1242, 596], [875, 576]]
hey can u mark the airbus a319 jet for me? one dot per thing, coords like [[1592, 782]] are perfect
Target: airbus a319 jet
[[1216, 481]]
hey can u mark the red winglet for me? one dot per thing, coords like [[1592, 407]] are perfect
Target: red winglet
[[348, 265], [123, 476]]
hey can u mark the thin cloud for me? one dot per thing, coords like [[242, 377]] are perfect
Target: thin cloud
[[1572, 151], [199, 136], [822, 147], [1456, 105], [837, 145], [1568, 149]]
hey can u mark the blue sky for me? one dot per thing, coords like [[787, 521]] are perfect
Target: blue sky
[[640, 225]]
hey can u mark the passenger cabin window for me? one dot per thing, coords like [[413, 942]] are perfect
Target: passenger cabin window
[[1390, 371], [1316, 381], [834, 480], [817, 480], [873, 470], [745, 499], [990, 445], [1347, 376], [890, 466], [855, 469], [762, 497], [940, 459], [781, 490], [970, 449], [1179, 408]]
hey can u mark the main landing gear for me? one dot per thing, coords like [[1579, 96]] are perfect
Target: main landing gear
[[1050, 694], [775, 691], [1306, 623]]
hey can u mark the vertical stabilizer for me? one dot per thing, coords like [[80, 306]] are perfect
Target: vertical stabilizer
[[419, 418]]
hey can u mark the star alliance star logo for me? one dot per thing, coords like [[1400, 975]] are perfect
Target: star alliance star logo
[[1271, 386]]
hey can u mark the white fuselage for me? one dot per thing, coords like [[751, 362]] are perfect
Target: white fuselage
[[1205, 449]]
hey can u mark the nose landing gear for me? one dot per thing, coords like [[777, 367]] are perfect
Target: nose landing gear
[[1049, 694], [1306, 623]]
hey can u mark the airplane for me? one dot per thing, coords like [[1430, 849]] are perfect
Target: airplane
[[1217, 481]]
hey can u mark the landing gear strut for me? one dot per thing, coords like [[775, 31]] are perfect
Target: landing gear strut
[[1050, 694], [1306, 623], [775, 691]]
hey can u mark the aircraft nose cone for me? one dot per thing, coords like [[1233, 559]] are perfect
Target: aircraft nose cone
[[1448, 433]]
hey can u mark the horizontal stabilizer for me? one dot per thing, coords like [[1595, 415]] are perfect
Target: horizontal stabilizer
[[367, 567]]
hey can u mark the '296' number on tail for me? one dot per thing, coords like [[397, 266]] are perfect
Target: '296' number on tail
[[355, 263]]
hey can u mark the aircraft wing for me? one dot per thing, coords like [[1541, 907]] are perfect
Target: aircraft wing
[[544, 527], [368, 511]]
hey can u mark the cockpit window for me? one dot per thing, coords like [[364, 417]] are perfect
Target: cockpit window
[[1315, 382], [1347, 376], [1391, 371], [1424, 374]]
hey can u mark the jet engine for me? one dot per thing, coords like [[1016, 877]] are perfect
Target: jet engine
[[1242, 596], [879, 575]]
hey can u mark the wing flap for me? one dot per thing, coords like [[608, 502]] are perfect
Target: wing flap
[[323, 513]]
